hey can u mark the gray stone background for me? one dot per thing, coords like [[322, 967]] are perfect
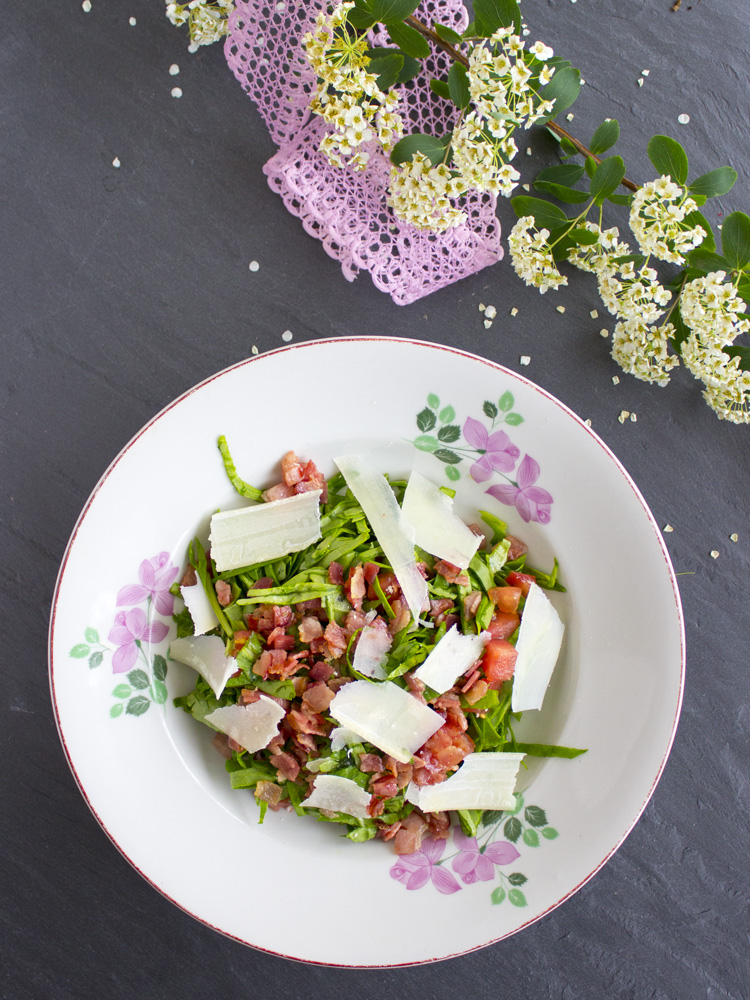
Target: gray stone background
[[123, 288]]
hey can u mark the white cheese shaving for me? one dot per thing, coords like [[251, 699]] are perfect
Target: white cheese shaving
[[395, 535], [337, 794], [264, 532], [207, 655], [252, 726], [342, 737], [197, 602], [538, 646], [452, 656], [386, 716], [484, 781], [436, 528], [371, 651]]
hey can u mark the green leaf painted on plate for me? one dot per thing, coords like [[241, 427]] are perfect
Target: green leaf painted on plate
[[516, 897], [80, 651], [91, 635], [498, 895]]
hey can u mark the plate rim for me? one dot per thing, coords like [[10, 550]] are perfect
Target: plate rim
[[410, 342]]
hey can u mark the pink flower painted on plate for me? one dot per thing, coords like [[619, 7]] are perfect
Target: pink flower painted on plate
[[474, 865], [156, 576], [531, 502], [417, 869], [496, 450], [129, 628]]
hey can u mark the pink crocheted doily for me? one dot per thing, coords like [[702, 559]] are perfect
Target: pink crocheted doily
[[344, 209]]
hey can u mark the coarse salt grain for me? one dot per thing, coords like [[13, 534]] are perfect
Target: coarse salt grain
[[624, 414], [86, 5], [174, 69], [640, 81], [132, 22], [615, 380], [633, 418], [714, 553], [490, 312], [588, 422], [526, 187], [683, 119], [645, 71], [281, 6], [594, 314], [254, 349], [116, 163], [487, 324], [528, 150], [482, 307], [254, 265], [193, 47], [287, 336], [560, 309], [525, 359], [570, 116], [668, 528], [734, 537], [604, 333], [514, 311], [526, 31], [176, 92]]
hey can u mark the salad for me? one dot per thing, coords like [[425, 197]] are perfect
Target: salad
[[362, 654]]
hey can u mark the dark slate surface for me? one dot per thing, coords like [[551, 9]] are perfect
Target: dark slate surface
[[122, 288]]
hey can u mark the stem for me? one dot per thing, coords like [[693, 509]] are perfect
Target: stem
[[452, 51]]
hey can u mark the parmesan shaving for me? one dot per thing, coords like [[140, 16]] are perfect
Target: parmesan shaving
[[395, 535], [371, 651], [484, 781], [197, 602], [386, 716], [337, 794], [436, 528], [342, 737], [538, 646], [264, 532], [206, 654], [450, 658], [252, 726]]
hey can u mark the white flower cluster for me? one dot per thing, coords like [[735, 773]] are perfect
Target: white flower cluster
[[643, 350], [481, 156], [712, 310], [598, 258], [658, 217], [532, 257], [501, 80], [421, 194], [633, 294], [206, 19], [348, 97]]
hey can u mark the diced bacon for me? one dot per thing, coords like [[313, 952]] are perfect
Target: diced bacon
[[308, 606], [268, 791], [376, 807], [312, 479], [279, 492], [416, 687], [389, 584], [282, 615], [442, 752], [384, 786], [336, 683], [233, 744], [449, 706], [306, 745], [336, 573], [190, 578], [476, 530], [472, 602], [403, 772], [336, 639], [440, 606], [287, 765], [354, 587], [355, 620], [301, 722], [309, 629], [318, 697], [387, 831], [240, 637], [263, 584], [451, 573], [221, 742], [370, 763], [300, 685], [450, 621], [280, 640], [321, 671], [477, 690], [264, 617], [517, 548], [409, 837], [248, 696], [422, 567], [291, 469], [223, 592], [402, 617], [276, 743], [439, 825], [371, 571], [470, 679]]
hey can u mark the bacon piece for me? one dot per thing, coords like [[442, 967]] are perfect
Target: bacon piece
[[282, 615], [300, 685], [233, 744], [442, 752], [477, 689], [280, 640], [371, 571], [336, 683], [248, 696], [376, 807], [263, 584], [302, 722], [370, 763], [517, 548], [409, 837], [318, 697], [268, 791], [416, 687], [321, 671], [355, 620], [387, 831], [476, 530], [336, 639], [221, 742], [306, 606], [312, 479], [223, 592], [336, 573], [279, 492], [384, 785], [306, 746], [439, 825], [190, 578], [472, 602], [451, 573], [402, 617], [449, 706], [355, 587], [287, 765], [440, 606], [309, 629], [240, 637], [291, 469]]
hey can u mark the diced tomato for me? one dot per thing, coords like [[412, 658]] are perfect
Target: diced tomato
[[506, 598], [503, 624], [522, 580], [499, 661]]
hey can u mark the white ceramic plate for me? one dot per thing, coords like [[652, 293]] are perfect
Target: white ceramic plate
[[148, 771]]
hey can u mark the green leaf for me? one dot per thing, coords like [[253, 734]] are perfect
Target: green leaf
[[620, 199], [490, 816], [571, 196], [458, 86], [550, 833], [440, 87], [122, 691], [411, 68], [562, 173], [489, 15], [409, 40], [517, 879], [489, 409], [160, 692], [138, 679], [531, 838], [743, 353], [583, 237], [512, 829], [387, 65], [452, 473], [546, 215], [516, 897], [426, 420], [391, 11], [425, 442], [116, 710], [447, 34], [735, 240], [704, 261], [698, 219], [361, 17], [159, 666], [506, 401], [607, 178], [498, 895], [535, 816], [668, 156], [514, 419], [563, 89], [605, 137], [447, 414], [91, 635], [449, 433], [95, 659], [429, 145], [681, 333], [433, 401], [137, 705], [447, 456], [80, 651], [714, 183]]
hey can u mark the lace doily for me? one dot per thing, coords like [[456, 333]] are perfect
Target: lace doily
[[344, 209]]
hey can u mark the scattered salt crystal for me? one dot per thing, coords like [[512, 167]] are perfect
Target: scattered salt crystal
[[132, 22], [588, 422], [604, 333], [287, 336], [594, 314], [734, 537], [116, 163], [86, 5], [528, 150], [490, 312], [525, 359], [254, 349], [633, 417], [640, 81], [720, 225], [176, 92], [624, 414], [193, 47], [668, 528], [482, 307], [583, 82], [514, 311], [174, 69], [526, 31], [526, 187], [645, 71], [615, 380], [683, 119], [560, 309], [254, 265], [281, 6], [487, 324], [714, 553], [570, 116]]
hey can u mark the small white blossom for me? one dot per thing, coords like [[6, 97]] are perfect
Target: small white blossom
[[531, 256], [633, 294], [599, 257], [658, 217], [422, 194], [642, 350]]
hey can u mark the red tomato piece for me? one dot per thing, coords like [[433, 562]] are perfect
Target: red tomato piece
[[499, 661], [503, 624], [506, 598], [522, 580]]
